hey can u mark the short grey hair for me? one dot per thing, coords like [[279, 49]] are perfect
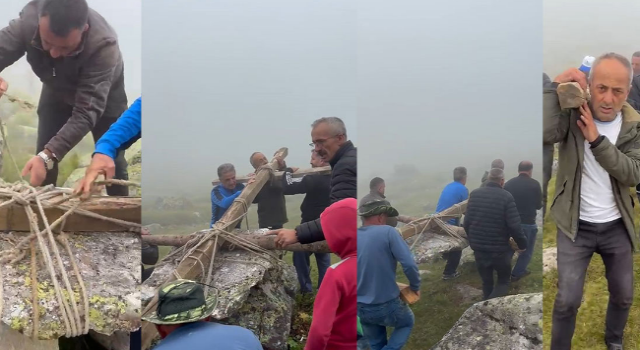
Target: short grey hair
[[225, 168], [612, 56], [459, 173], [336, 124], [495, 175], [636, 54]]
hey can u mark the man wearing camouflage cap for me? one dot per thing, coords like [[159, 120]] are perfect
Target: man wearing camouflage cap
[[380, 248], [182, 320]]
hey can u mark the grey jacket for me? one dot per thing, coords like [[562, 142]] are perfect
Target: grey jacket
[[91, 80]]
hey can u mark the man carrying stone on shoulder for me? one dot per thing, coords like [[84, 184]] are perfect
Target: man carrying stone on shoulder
[[599, 160]]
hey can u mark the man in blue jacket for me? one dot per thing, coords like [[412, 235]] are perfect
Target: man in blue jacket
[[223, 195]]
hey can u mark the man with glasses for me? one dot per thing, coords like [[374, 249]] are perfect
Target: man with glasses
[[330, 142]]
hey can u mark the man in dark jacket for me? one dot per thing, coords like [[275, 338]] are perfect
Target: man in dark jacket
[[272, 207], [329, 139], [75, 53], [547, 158], [491, 220], [528, 196], [316, 189], [377, 187]]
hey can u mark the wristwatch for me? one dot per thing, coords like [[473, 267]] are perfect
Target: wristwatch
[[48, 162]]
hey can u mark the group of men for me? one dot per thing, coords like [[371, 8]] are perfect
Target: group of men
[[598, 164], [75, 53]]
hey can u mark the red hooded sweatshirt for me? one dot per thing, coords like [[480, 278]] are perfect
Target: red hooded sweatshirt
[[334, 325]]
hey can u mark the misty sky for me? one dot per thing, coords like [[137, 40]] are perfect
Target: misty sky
[[124, 17], [573, 30], [236, 77], [441, 87]]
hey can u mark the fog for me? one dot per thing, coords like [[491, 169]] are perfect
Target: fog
[[443, 85], [573, 30], [235, 77], [124, 17]]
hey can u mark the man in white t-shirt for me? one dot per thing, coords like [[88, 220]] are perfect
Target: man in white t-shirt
[[599, 161]]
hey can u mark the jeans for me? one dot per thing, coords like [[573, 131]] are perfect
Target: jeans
[[453, 260], [487, 262], [375, 318], [530, 231], [303, 268], [53, 114], [612, 242]]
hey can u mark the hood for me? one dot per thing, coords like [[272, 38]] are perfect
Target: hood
[[340, 226]]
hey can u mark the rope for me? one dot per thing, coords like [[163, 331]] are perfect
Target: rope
[[45, 198]]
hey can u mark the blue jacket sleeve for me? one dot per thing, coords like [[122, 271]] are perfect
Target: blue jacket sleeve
[[124, 129], [402, 254]]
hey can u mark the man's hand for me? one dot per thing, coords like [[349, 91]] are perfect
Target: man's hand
[[100, 165], [572, 75], [3, 87], [284, 237], [586, 124], [37, 171], [417, 293], [251, 180], [294, 169]]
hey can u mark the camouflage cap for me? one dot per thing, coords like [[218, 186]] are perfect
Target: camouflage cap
[[377, 207], [182, 301]]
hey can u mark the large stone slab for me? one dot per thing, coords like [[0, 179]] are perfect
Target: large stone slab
[[507, 323], [110, 267], [429, 247], [252, 292]]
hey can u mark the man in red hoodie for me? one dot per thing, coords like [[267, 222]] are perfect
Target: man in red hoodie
[[334, 324]]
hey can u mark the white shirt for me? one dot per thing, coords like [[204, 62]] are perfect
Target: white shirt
[[597, 203]]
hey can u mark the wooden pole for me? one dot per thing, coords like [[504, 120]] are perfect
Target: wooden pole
[[429, 225], [191, 268], [266, 242], [325, 170]]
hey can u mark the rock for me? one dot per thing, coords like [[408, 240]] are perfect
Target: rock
[[429, 247], [110, 268], [467, 256], [468, 293], [253, 293], [14, 340], [571, 95], [511, 322], [153, 227], [424, 272], [173, 203], [549, 259]]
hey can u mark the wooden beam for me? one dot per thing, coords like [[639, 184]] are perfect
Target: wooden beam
[[266, 242], [427, 225], [14, 218], [325, 170], [191, 268]]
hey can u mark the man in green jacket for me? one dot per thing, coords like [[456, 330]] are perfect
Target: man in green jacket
[[599, 160]]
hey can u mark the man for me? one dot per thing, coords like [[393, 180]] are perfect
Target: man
[[376, 192], [223, 195], [527, 194], [451, 195], [316, 189], [329, 140], [634, 94], [380, 248], [120, 136], [496, 164], [599, 158], [75, 53], [272, 207], [334, 309], [183, 316], [491, 220]]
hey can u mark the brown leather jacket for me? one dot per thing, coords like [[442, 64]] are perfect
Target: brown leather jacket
[[91, 80]]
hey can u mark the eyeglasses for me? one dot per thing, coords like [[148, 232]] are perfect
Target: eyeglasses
[[321, 142]]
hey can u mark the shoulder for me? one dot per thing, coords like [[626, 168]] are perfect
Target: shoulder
[[101, 38]]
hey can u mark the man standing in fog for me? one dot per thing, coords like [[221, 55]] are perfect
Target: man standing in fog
[[272, 207], [634, 94], [599, 154], [75, 53], [496, 164], [223, 195], [377, 187], [380, 248], [491, 220], [528, 197]]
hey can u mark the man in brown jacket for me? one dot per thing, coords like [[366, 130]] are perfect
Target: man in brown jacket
[[599, 160], [75, 53]]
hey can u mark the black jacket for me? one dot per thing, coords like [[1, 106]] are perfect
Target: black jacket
[[528, 196], [316, 187], [272, 207], [634, 94], [491, 218], [344, 184]]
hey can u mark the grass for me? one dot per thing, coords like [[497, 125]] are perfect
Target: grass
[[589, 333]]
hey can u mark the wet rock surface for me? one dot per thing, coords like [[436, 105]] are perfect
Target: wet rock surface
[[110, 269], [511, 322], [549, 259], [429, 247]]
